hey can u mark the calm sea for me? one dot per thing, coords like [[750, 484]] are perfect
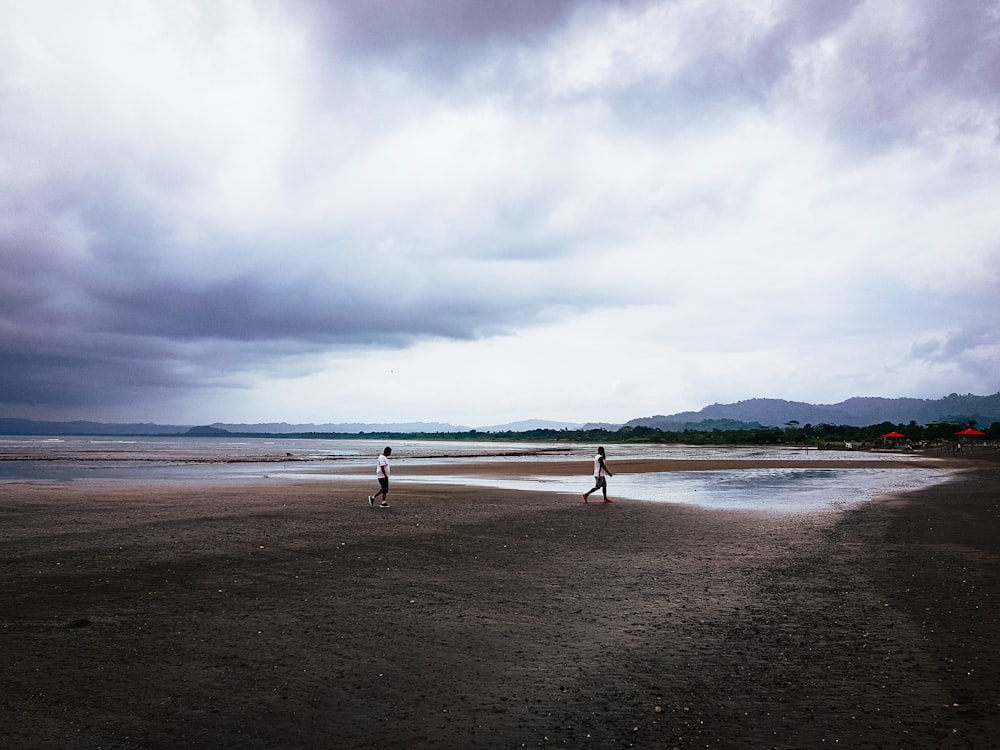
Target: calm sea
[[229, 460]]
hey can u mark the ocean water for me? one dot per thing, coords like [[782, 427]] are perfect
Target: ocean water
[[228, 460]]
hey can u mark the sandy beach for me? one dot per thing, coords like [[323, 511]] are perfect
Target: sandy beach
[[291, 614]]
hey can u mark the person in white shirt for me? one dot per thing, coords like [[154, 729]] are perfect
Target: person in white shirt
[[382, 474], [601, 474]]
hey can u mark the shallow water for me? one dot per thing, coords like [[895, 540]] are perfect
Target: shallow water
[[228, 460], [177, 450], [773, 490]]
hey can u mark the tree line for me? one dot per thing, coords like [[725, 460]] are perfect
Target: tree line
[[790, 434]]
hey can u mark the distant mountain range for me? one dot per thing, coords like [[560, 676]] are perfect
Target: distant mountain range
[[756, 412], [358, 427], [10, 426], [856, 412]]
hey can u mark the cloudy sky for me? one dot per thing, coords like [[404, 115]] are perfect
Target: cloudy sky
[[480, 211]]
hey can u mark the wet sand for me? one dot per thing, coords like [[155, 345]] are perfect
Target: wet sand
[[521, 468], [291, 614]]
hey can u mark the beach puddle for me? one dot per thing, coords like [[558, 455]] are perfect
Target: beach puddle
[[773, 490]]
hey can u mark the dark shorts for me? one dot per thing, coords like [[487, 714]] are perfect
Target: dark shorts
[[600, 482], [383, 482]]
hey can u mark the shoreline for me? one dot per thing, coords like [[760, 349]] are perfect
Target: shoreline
[[584, 468], [293, 614]]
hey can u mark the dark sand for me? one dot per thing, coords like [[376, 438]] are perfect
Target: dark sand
[[283, 614]]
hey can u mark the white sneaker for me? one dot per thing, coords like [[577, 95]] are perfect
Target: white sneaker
[[371, 500]]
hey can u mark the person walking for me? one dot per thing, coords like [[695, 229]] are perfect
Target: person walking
[[601, 474], [382, 474]]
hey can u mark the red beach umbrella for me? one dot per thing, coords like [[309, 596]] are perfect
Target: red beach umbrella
[[970, 431], [894, 435]]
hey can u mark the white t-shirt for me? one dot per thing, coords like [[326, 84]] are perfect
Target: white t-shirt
[[598, 469], [382, 469]]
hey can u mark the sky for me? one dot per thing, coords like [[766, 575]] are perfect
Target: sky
[[481, 212]]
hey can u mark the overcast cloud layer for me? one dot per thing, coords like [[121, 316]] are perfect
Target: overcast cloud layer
[[478, 212]]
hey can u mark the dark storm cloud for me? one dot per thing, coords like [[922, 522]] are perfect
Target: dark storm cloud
[[107, 322], [187, 196], [97, 308], [57, 370], [383, 26], [442, 33], [325, 312]]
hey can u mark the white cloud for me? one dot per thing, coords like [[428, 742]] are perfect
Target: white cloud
[[595, 212]]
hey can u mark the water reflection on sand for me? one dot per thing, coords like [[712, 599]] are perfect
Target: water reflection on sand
[[775, 490], [226, 460]]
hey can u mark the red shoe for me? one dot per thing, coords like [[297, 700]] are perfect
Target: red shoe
[[605, 500], [584, 498]]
